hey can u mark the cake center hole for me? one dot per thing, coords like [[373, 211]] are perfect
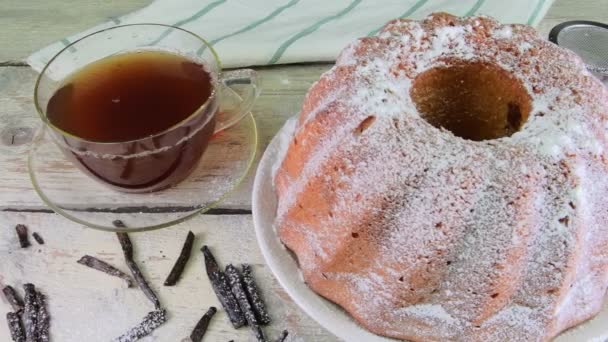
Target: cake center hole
[[476, 101]]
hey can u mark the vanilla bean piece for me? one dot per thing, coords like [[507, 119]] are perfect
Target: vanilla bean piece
[[43, 320], [184, 256], [21, 230], [201, 327], [152, 321], [13, 298], [283, 336], [106, 268], [38, 238], [238, 290], [127, 249], [30, 311], [253, 293], [15, 327], [222, 290], [119, 224]]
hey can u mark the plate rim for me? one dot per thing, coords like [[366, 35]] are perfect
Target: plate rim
[[317, 307], [348, 329]]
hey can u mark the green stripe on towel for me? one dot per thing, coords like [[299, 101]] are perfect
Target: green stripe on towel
[[66, 42], [407, 13], [252, 25], [196, 15], [279, 53], [475, 8], [115, 20], [539, 6]]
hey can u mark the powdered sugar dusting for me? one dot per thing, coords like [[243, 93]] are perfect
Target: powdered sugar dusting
[[432, 311], [403, 223], [504, 32], [285, 137]]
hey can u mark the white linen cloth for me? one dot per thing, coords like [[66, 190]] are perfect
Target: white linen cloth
[[263, 32]]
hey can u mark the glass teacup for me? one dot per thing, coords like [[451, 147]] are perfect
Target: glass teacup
[[165, 158]]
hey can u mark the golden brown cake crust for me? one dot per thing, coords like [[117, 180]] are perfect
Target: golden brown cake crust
[[424, 226]]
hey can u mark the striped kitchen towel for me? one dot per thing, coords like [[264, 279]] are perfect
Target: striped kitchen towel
[[263, 32]]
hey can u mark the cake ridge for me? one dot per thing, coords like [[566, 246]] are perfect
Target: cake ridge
[[403, 223]]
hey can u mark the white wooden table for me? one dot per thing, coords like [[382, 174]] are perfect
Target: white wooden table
[[93, 306]]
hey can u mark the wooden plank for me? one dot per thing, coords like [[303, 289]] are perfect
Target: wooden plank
[[283, 90], [87, 305], [30, 25]]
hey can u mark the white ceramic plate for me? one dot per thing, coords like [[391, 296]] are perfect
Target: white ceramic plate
[[286, 270]]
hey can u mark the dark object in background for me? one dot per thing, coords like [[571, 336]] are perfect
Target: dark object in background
[[152, 321], [21, 230], [15, 327], [104, 267], [119, 224], [251, 288], [180, 264], [588, 39], [201, 327], [222, 289], [38, 238], [238, 290], [283, 336], [13, 298]]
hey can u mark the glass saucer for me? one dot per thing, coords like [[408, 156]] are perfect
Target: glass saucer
[[76, 196]]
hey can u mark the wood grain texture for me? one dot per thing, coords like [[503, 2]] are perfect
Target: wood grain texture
[[32, 24], [567, 10], [87, 305]]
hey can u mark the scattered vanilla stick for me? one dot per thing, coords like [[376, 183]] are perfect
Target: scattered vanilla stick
[[38, 238], [201, 327], [21, 230], [119, 224], [251, 288], [152, 321], [180, 264], [106, 268], [13, 298], [127, 249], [30, 311], [283, 336], [234, 278], [222, 290], [43, 319], [15, 327]]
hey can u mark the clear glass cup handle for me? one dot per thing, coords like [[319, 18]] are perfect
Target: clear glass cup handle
[[233, 114]]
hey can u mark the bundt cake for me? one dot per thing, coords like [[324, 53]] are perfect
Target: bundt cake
[[447, 180]]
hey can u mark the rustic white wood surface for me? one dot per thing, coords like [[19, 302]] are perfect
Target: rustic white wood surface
[[95, 306], [87, 305], [32, 24]]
